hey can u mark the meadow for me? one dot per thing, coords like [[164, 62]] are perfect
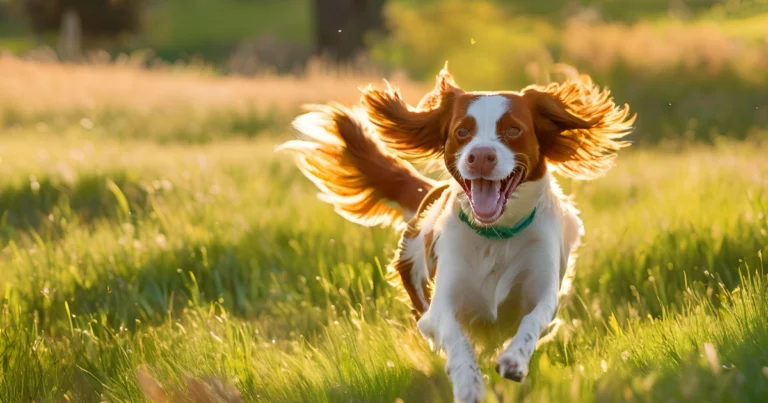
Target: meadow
[[154, 246]]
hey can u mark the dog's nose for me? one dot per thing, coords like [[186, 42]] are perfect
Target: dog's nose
[[482, 160]]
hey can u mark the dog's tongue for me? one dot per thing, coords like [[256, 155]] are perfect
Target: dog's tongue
[[485, 196]]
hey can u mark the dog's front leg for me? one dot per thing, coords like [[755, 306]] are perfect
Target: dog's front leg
[[439, 324], [513, 361]]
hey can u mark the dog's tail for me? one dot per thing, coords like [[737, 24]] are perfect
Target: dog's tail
[[338, 151]]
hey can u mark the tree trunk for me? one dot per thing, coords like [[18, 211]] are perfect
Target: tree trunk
[[70, 37], [341, 25]]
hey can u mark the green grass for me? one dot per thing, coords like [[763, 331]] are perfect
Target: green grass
[[174, 239], [175, 124], [181, 28], [216, 260]]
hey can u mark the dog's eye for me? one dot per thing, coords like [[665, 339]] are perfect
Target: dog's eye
[[463, 132], [512, 132]]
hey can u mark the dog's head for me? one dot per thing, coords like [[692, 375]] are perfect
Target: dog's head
[[494, 141]]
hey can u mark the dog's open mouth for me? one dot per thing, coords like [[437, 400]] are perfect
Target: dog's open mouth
[[488, 198]]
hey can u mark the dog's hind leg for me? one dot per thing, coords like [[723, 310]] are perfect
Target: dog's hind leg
[[410, 264], [415, 259]]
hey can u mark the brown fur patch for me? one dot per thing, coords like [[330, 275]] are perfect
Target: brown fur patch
[[400, 264], [404, 267], [575, 125], [412, 132], [578, 126], [353, 170]]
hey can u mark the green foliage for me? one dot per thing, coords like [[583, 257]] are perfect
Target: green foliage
[[173, 29], [484, 45], [97, 17], [213, 28], [624, 10]]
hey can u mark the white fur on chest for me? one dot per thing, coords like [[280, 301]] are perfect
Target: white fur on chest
[[485, 288], [479, 273]]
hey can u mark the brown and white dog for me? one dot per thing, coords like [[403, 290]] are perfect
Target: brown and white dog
[[491, 249]]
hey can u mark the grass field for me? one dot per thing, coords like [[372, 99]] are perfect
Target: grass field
[[133, 255]]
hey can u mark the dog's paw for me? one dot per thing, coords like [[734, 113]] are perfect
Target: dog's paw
[[512, 366], [468, 384]]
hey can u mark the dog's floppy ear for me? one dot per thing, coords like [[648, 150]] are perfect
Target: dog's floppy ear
[[413, 132], [578, 126]]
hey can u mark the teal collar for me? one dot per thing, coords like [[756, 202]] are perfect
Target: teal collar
[[496, 233]]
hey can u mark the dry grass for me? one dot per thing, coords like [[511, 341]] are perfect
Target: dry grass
[[31, 86], [647, 49], [196, 391]]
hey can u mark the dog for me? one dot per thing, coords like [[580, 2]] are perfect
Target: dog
[[491, 249]]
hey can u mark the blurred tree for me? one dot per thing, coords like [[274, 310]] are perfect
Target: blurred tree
[[341, 26], [98, 18]]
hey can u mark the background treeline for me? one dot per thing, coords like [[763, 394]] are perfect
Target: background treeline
[[694, 69]]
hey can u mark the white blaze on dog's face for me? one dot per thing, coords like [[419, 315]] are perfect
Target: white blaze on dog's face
[[486, 156], [491, 149], [494, 141]]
